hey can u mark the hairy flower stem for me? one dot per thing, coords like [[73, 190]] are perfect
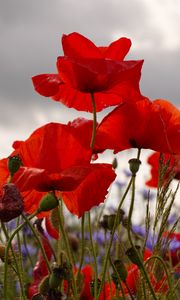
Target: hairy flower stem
[[8, 248], [94, 256], [7, 252], [39, 242], [68, 249], [112, 237], [21, 274], [82, 248], [119, 280], [142, 268], [94, 122], [166, 271], [17, 271]]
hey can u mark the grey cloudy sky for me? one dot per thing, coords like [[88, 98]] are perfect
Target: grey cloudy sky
[[31, 31]]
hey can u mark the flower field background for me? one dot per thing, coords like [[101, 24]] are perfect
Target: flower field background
[[78, 219]]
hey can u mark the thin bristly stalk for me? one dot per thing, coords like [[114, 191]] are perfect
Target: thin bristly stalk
[[94, 256], [68, 249], [8, 248], [119, 279], [38, 241], [112, 237], [82, 247], [165, 269], [21, 274]]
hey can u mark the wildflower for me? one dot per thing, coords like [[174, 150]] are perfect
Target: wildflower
[[56, 157], [141, 124], [85, 69]]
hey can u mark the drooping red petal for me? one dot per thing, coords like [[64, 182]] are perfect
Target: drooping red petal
[[91, 191], [46, 84], [141, 124], [76, 46]]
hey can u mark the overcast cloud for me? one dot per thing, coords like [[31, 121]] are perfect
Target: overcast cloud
[[30, 34]]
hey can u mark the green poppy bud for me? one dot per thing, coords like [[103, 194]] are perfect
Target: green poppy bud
[[115, 163], [48, 202], [134, 256], [14, 163], [134, 165]]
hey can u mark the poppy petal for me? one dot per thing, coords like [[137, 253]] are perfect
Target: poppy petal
[[91, 191], [46, 84]]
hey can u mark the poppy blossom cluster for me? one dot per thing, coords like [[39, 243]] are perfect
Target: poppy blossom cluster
[[86, 68]]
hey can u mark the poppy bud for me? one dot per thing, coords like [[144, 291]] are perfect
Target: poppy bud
[[121, 269], [48, 202], [92, 286], [134, 165], [133, 256], [44, 286], [14, 163], [11, 203], [115, 163], [56, 277]]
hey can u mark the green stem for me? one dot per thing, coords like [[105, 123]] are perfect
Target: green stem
[[20, 262], [119, 279], [17, 271], [94, 122], [7, 252], [94, 256], [82, 248], [112, 237], [27, 221], [165, 269], [142, 269], [68, 249]]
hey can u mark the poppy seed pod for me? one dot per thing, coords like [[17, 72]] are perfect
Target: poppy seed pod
[[14, 163], [134, 165], [11, 203], [48, 202], [133, 255]]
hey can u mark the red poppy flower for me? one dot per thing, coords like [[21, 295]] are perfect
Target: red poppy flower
[[86, 69], [142, 124], [173, 167], [57, 157]]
